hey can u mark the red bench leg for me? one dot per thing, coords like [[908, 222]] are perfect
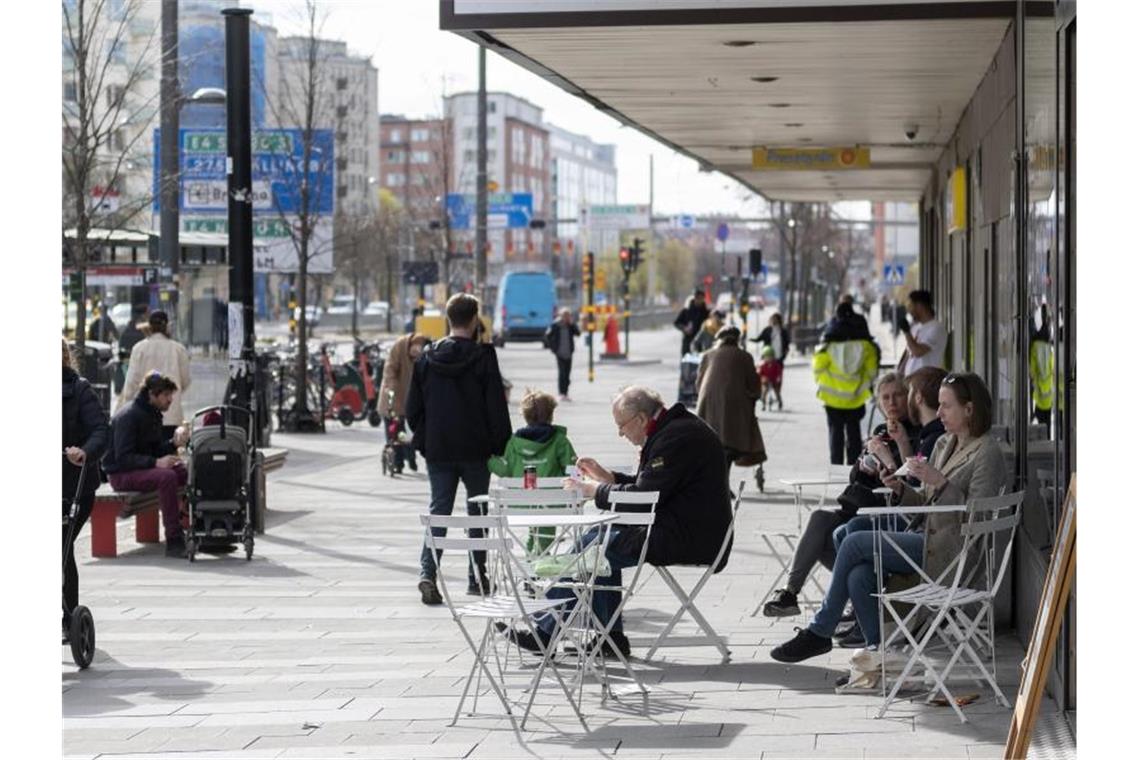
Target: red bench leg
[[146, 527], [103, 540]]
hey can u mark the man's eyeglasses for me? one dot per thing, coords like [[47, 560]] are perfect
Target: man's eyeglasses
[[621, 425]]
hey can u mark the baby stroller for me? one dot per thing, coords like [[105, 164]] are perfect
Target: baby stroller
[[221, 454], [81, 633], [687, 390], [397, 443]]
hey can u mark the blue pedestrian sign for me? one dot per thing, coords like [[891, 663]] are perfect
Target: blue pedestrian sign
[[504, 211], [722, 231], [277, 160], [894, 274]]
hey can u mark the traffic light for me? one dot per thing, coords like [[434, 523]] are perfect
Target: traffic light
[[755, 261], [626, 266], [635, 254]]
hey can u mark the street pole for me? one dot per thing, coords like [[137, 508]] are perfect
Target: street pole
[[481, 184], [651, 275], [783, 265], [239, 186], [591, 324], [170, 183]]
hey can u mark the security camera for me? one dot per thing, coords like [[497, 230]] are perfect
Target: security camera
[[911, 131]]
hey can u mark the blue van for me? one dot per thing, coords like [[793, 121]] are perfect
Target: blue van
[[526, 306]]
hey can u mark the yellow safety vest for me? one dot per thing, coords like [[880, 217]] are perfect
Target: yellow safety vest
[[1041, 373], [844, 372]]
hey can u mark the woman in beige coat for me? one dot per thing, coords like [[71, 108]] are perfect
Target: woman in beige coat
[[398, 378], [967, 463], [727, 390], [169, 357]]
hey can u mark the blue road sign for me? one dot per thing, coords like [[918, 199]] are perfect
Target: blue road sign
[[894, 274], [686, 221], [722, 231], [278, 158], [504, 211]]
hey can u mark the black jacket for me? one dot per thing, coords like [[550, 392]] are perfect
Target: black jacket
[[692, 316], [131, 335], [928, 436], [684, 460], [765, 337], [84, 425], [456, 405], [136, 437], [553, 335]]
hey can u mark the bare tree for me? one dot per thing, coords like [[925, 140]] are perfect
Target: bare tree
[[305, 102], [104, 117]]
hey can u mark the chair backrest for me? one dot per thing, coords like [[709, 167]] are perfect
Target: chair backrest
[[640, 518], [495, 541], [731, 525], [986, 519], [542, 483], [522, 500]]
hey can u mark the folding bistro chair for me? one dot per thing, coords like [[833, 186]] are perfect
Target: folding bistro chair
[[642, 514], [688, 600], [522, 501], [509, 606], [962, 616]]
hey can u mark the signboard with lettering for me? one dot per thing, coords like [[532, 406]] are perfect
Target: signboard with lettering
[[612, 217], [504, 211], [809, 159]]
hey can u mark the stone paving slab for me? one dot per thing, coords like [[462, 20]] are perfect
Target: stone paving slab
[[319, 647]]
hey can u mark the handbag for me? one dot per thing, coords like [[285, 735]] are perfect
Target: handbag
[[857, 496]]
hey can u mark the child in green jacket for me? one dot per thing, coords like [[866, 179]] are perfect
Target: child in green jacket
[[540, 444]]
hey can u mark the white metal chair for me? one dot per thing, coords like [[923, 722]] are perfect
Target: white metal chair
[[503, 606], [642, 514], [688, 599], [541, 483], [523, 501], [962, 616]]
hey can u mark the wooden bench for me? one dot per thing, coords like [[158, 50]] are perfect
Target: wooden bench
[[110, 506]]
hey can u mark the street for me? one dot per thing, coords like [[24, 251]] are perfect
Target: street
[[320, 646]]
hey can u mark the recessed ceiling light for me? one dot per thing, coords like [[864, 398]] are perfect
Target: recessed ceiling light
[[779, 105], [794, 124], [739, 43], [763, 80]]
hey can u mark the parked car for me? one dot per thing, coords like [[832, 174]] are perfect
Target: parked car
[[526, 306], [376, 309], [342, 304], [312, 314]]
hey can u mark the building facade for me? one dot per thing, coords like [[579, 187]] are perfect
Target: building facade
[[582, 173]]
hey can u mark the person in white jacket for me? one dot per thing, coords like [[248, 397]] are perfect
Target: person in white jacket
[[169, 357]]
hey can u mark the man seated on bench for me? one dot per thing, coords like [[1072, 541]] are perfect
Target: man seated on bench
[[683, 460], [139, 459]]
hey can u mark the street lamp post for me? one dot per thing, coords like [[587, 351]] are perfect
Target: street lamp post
[[240, 208]]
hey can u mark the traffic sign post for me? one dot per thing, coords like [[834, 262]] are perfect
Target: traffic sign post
[[591, 325], [894, 274]]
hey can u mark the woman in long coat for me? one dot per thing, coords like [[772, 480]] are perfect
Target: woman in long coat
[[727, 390]]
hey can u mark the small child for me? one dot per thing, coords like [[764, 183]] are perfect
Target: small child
[[771, 374], [540, 444]]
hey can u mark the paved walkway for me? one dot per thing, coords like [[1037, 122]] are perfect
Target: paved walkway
[[320, 647]]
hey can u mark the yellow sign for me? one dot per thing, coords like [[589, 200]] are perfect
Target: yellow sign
[[492, 186], [811, 159], [956, 192]]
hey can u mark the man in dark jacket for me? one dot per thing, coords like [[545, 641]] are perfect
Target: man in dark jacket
[[131, 335], [690, 319], [84, 439], [457, 410], [682, 459], [559, 338], [140, 458]]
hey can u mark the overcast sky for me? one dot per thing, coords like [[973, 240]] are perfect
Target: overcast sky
[[416, 61]]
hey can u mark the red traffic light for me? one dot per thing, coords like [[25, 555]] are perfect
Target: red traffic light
[[624, 254]]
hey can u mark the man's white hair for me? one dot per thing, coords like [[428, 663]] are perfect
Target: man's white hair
[[638, 399]]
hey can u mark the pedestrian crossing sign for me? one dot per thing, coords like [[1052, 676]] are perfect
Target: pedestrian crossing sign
[[893, 274]]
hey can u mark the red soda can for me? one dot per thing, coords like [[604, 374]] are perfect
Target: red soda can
[[530, 476]]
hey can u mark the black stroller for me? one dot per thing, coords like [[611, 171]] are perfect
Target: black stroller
[[81, 634], [396, 442], [221, 455]]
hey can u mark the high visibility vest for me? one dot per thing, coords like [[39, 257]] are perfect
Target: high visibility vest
[[844, 372], [1041, 373]]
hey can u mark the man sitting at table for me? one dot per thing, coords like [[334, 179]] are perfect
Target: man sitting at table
[[682, 459], [141, 458]]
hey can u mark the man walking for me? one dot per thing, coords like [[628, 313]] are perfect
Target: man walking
[[457, 410], [161, 353], [141, 458], [926, 339], [559, 338], [690, 319]]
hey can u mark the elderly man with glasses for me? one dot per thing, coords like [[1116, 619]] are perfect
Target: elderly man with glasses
[[682, 459]]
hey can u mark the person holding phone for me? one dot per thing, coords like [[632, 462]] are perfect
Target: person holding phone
[[966, 463], [926, 338]]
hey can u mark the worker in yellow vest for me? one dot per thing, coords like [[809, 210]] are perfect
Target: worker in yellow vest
[[844, 366], [1041, 369]]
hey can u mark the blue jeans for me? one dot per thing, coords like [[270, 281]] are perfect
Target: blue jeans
[[605, 603], [444, 478], [894, 523], [853, 577]]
